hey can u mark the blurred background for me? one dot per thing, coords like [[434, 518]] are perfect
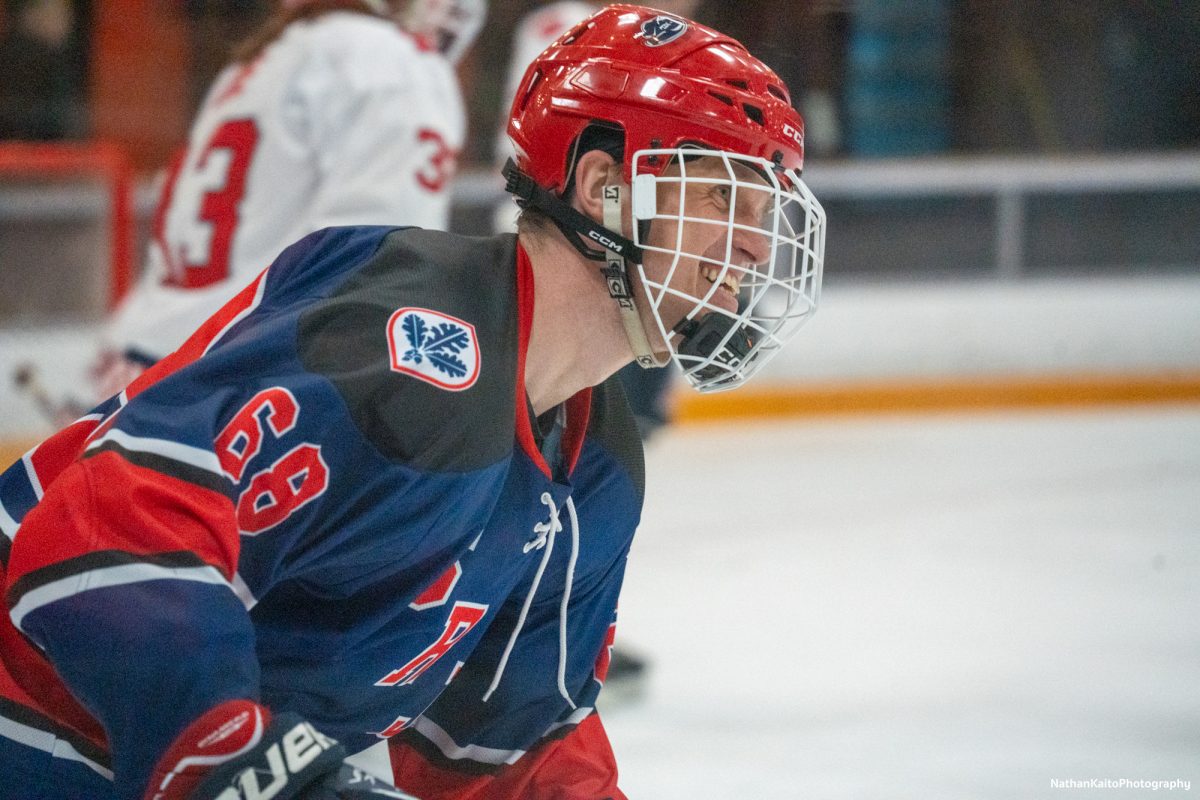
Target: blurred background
[[948, 139], [1093, 84], [878, 78], [983, 163], [980, 463]]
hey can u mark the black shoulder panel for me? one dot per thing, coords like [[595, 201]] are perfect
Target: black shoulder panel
[[612, 426], [409, 418]]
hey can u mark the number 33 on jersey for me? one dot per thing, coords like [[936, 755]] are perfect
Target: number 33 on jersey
[[346, 121]]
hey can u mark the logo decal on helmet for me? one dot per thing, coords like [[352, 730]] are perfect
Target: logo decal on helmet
[[793, 133], [661, 30], [437, 348]]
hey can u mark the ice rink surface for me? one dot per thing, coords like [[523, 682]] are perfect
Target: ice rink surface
[[952, 606]]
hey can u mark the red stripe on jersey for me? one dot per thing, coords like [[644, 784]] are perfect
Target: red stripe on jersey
[[106, 503], [104, 427], [196, 344], [27, 678], [579, 410], [26, 674], [578, 766], [55, 454], [525, 291], [579, 405], [605, 658]]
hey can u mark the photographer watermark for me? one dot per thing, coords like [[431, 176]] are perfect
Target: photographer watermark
[[1175, 784]]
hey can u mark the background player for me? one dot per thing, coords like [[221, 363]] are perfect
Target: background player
[[339, 500], [331, 114]]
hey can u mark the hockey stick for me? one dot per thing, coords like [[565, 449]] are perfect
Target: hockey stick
[[58, 413]]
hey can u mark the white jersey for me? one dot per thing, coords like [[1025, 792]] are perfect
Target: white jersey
[[536, 31], [343, 120]]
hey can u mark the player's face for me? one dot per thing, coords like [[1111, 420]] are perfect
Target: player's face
[[718, 232]]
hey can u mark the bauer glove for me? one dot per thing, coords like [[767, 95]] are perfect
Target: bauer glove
[[236, 751]]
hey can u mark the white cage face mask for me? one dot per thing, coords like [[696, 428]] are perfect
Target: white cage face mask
[[733, 259]]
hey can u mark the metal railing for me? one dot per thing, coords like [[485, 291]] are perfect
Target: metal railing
[[104, 162], [1010, 182]]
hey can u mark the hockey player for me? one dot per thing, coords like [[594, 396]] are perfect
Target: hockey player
[[332, 114], [388, 491]]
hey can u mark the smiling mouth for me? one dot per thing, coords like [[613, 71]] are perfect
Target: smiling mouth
[[730, 282]]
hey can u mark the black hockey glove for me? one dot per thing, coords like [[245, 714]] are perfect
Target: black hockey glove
[[293, 761], [350, 783], [213, 759]]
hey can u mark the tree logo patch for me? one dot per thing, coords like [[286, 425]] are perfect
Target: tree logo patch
[[434, 347]]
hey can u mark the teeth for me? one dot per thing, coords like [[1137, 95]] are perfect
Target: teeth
[[730, 281]]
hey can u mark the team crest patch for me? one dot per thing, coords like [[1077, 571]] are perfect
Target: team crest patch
[[661, 30], [434, 347]]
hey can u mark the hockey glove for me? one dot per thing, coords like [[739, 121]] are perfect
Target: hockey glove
[[237, 752]]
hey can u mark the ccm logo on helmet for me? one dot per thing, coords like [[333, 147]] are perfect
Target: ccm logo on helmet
[[790, 132]]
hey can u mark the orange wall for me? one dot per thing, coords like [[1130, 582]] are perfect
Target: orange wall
[[139, 89]]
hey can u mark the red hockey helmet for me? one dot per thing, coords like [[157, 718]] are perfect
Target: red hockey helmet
[[727, 241], [664, 80]]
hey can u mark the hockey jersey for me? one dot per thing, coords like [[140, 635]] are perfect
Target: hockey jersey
[[331, 499], [345, 119]]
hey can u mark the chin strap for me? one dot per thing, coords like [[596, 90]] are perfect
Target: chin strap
[[620, 288], [618, 251], [574, 224]]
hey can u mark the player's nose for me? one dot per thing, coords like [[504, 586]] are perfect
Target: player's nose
[[751, 246]]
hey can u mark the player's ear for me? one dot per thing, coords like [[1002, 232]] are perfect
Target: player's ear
[[594, 170]]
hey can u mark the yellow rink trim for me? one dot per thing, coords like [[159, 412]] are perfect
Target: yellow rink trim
[[11, 450], [936, 395], [797, 400]]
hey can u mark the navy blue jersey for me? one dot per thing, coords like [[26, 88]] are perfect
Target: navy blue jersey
[[331, 501]]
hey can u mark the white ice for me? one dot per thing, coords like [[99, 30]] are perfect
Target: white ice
[[917, 607]]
